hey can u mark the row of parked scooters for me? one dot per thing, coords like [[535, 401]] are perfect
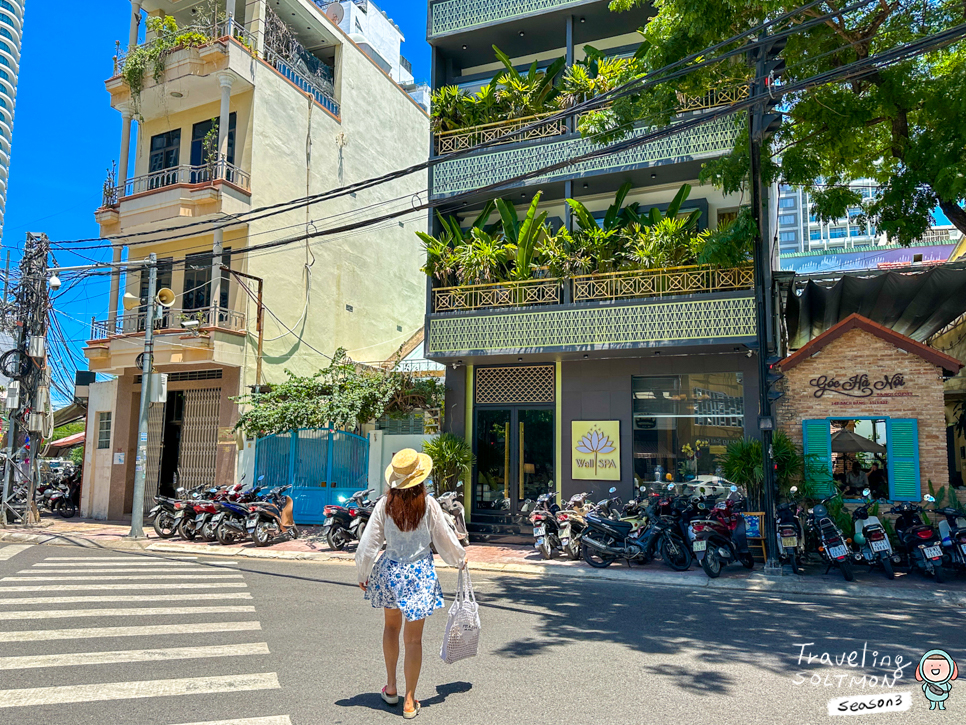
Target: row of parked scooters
[[679, 528], [227, 514]]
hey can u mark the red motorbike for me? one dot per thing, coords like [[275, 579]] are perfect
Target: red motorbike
[[721, 539]]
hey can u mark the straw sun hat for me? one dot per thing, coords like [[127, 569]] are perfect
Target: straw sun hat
[[408, 469]]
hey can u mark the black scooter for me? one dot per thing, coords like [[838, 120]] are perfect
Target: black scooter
[[832, 546], [338, 525], [272, 517], [921, 543], [546, 527]]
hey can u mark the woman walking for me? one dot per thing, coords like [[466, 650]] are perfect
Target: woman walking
[[403, 581]]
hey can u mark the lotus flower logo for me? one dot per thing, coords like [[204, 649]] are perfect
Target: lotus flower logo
[[597, 443]]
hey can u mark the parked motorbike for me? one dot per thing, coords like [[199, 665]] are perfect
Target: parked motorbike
[[663, 535], [546, 528], [162, 516], [338, 527], [952, 530], [871, 543], [271, 517], [229, 520], [832, 544], [455, 515], [721, 538], [55, 498], [790, 533], [919, 541], [572, 523], [606, 540]]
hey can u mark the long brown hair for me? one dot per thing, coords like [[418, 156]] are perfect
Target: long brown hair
[[406, 506]]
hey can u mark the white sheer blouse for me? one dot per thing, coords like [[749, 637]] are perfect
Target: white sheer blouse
[[407, 546]]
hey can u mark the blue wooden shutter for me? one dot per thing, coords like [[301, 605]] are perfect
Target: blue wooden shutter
[[904, 482], [817, 438]]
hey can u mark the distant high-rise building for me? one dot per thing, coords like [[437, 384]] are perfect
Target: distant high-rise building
[[11, 31]]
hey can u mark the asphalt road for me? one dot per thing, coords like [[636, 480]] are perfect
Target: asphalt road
[[175, 640]]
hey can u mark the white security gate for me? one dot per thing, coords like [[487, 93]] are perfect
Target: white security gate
[[152, 468], [199, 438]]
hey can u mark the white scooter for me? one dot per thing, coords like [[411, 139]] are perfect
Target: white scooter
[[455, 516], [872, 545]]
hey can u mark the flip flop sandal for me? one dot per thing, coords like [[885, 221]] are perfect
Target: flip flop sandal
[[410, 714], [389, 699]]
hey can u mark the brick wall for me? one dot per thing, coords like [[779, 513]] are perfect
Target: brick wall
[[856, 352]]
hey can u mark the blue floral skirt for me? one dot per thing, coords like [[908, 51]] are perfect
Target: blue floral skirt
[[411, 588]]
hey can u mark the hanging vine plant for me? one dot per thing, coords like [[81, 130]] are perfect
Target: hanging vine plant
[[153, 55]]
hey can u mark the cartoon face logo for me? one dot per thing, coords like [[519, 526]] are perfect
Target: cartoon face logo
[[936, 671]]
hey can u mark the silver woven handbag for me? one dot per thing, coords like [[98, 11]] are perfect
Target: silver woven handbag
[[462, 638]]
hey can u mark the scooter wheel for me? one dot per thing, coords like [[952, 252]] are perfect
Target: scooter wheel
[[711, 563], [748, 561], [67, 509], [264, 533], [846, 567], [186, 530], [938, 574], [227, 535], [164, 525], [209, 533], [545, 551], [336, 538], [887, 567], [675, 554], [573, 550]]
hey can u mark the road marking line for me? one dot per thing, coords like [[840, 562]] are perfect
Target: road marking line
[[41, 635], [132, 598], [131, 612], [121, 570], [116, 558], [11, 550], [271, 720], [36, 696], [105, 587], [134, 655], [126, 577], [133, 562]]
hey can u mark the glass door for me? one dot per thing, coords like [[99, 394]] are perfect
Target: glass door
[[514, 458]]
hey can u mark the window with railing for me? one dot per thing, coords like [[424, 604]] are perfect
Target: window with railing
[[165, 154]]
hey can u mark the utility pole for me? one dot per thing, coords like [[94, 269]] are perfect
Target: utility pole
[[767, 66], [140, 471]]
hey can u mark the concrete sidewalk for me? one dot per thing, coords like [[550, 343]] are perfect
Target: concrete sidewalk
[[517, 560]]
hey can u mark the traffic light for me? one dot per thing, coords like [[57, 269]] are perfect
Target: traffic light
[[772, 378], [769, 65]]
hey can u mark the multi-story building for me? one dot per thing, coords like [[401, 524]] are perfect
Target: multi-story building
[[658, 363], [266, 103], [11, 33], [808, 244]]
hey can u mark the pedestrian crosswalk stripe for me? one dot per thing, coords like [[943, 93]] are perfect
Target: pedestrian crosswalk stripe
[[271, 720], [37, 696], [130, 612], [97, 564], [135, 655], [124, 570], [117, 558], [133, 598], [111, 587], [108, 577], [11, 550], [41, 635]]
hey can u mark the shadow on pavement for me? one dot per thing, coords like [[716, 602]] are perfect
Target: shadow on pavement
[[373, 701]]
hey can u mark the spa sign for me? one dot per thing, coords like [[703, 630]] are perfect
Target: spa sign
[[596, 450]]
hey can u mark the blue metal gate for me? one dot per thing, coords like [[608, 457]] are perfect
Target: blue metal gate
[[322, 465]]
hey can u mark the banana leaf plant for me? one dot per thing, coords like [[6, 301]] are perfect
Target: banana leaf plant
[[443, 252], [528, 94], [616, 217], [522, 237]]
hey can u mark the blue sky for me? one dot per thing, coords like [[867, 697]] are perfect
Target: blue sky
[[66, 134]]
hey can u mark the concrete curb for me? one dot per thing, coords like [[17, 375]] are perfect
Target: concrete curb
[[754, 583]]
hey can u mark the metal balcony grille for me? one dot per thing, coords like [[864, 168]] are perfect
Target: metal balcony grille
[[519, 384]]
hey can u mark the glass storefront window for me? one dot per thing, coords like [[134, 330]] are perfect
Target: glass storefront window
[[682, 423]]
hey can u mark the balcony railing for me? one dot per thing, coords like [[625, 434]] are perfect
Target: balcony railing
[[661, 282], [467, 138], [170, 319], [611, 286], [156, 180], [318, 87]]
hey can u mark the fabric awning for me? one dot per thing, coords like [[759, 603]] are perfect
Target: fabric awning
[[845, 441], [913, 304]]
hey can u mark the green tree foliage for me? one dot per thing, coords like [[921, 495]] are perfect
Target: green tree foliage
[[742, 465], [453, 460], [344, 395], [901, 126]]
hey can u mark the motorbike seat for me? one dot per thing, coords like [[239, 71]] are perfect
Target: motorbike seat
[[623, 527]]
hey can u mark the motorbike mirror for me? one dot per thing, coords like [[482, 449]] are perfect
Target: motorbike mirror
[[733, 488], [930, 499], [179, 489], [642, 489], [612, 490], [341, 499], [670, 487], [793, 489], [261, 477]]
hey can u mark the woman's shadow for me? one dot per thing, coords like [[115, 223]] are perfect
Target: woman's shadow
[[373, 700]]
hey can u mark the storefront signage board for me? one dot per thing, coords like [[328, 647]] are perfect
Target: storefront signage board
[[596, 450]]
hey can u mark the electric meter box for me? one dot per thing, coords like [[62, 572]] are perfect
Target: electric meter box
[[13, 395], [35, 422], [36, 347], [159, 388]]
